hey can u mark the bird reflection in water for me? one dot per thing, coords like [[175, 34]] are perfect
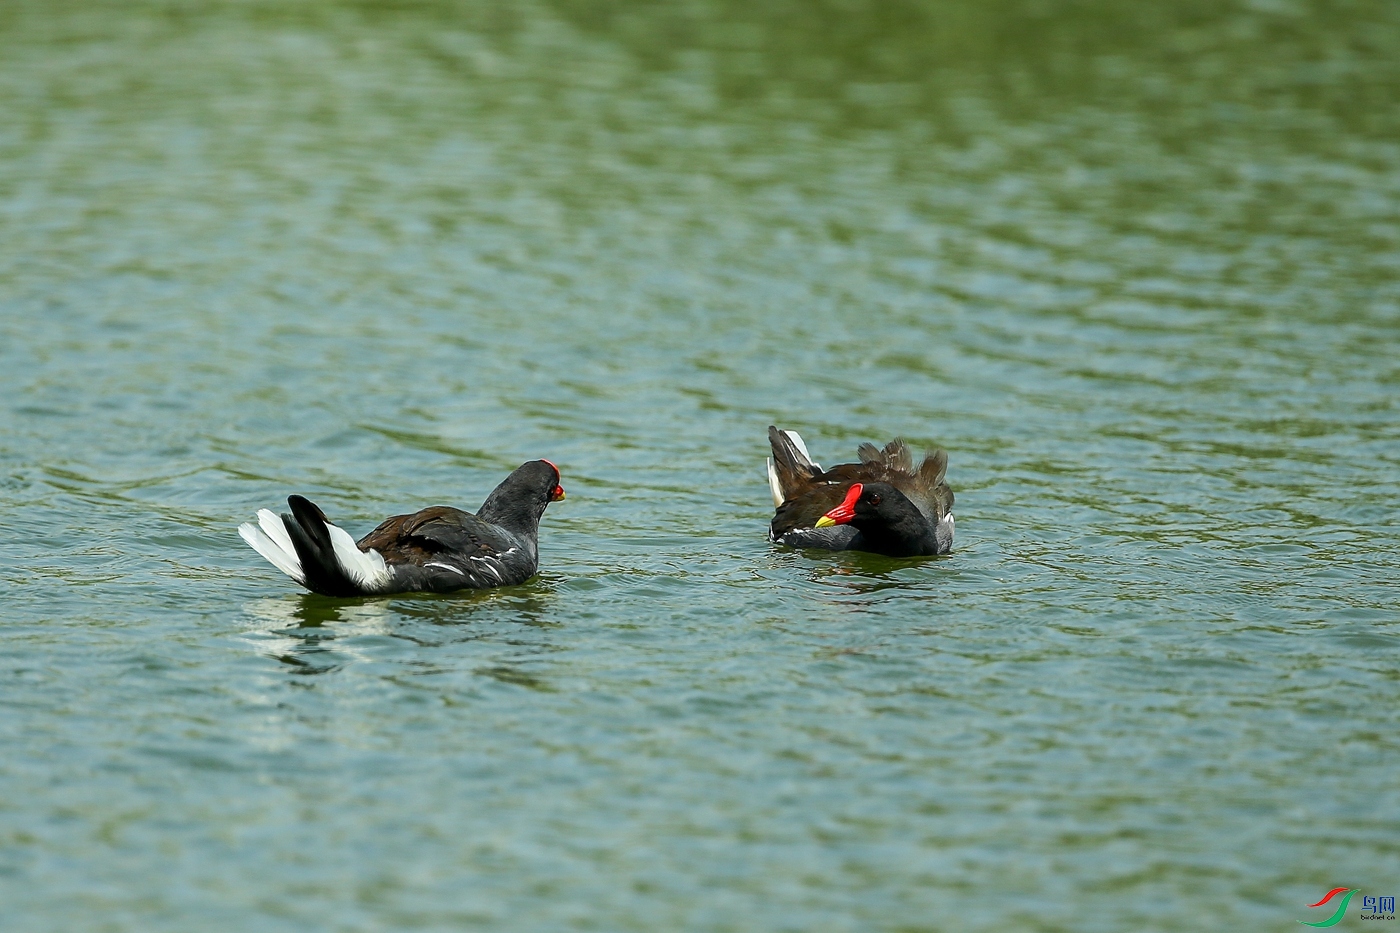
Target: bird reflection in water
[[862, 573], [303, 634], [314, 634]]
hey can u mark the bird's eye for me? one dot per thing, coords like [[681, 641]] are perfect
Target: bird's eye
[[874, 499]]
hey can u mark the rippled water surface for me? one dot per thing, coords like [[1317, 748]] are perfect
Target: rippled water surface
[[1135, 266]]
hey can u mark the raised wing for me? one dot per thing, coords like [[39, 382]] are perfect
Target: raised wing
[[894, 459]]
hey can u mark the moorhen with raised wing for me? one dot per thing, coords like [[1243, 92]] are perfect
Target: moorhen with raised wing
[[881, 504]]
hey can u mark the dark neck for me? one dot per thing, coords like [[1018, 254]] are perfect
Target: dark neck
[[507, 508]]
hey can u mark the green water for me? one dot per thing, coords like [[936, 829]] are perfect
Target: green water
[[1136, 266]]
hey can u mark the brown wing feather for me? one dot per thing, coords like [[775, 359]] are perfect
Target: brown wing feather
[[803, 510], [898, 457], [394, 538], [924, 487], [795, 471], [929, 490]]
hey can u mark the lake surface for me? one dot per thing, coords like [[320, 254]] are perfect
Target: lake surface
[[1135, 266]]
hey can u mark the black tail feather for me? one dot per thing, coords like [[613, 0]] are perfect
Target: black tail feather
[[794, 468], [307, 528]]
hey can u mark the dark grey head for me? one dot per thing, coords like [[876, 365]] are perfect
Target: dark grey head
[[882, 504], [519, 501], [888, 521]]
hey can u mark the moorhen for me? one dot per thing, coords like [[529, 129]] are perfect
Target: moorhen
[[881, 504], [438, 549]]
